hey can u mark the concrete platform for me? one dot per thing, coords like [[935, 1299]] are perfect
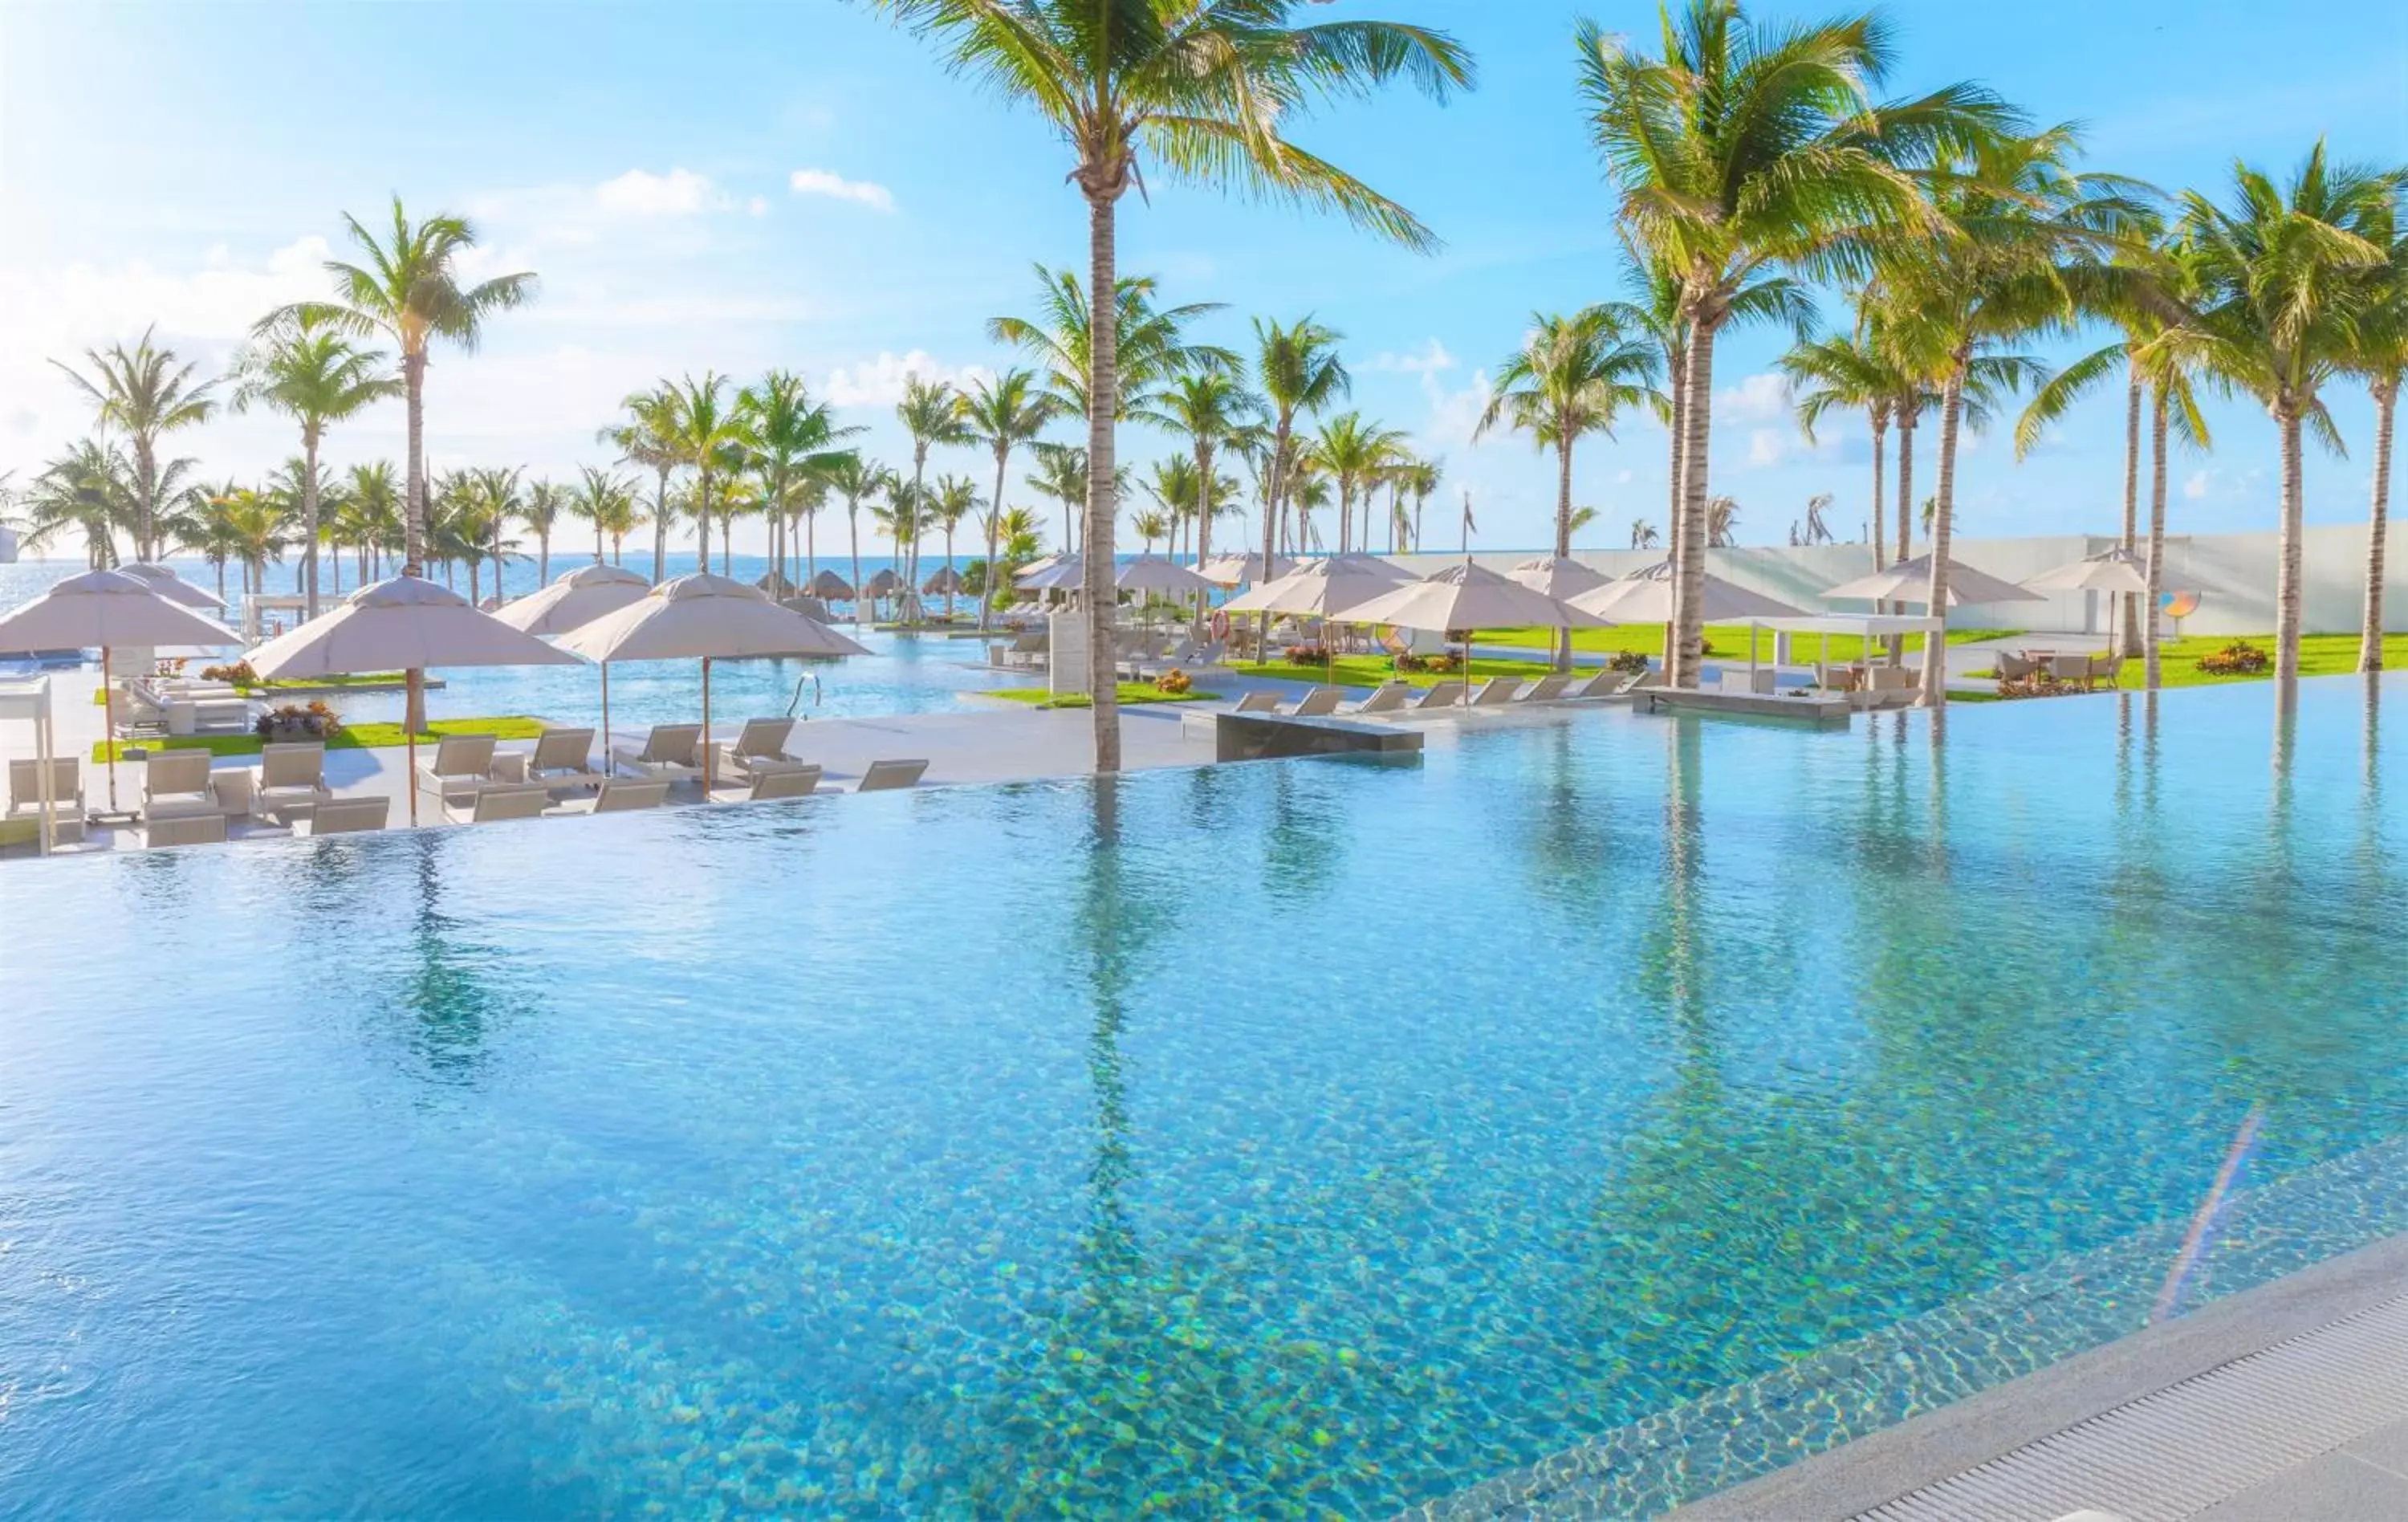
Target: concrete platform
[[1835, 710]]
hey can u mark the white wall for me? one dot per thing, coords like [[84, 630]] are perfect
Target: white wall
[[2233, 574]]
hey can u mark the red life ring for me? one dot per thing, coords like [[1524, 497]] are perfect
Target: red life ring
[[1220, 624]]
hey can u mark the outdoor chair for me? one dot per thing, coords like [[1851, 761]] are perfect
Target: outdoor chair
[[666, 754], [2103, 667], [462, 766], [186, 830], [1442, 694], [2013, 667], [785, 782], [760, 748], [620, 795], [346, 816], [1546, 690], [884, 775], [1262, 700], [66, 786], [1497, 692], [1317, 703], [497, 801], [561, 758], [176, 785], [1388, 697], [291, 776]]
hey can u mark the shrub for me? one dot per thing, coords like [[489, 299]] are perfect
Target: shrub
[[1174, 682], [315, 721], [1307, 654], [1628, 662], [240, 674], [1446, 660], [2238, 659], [2038, 685]]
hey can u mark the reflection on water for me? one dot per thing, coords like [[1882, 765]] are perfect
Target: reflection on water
[[1244, 1140]]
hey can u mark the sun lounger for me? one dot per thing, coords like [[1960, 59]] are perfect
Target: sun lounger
[[667, 754], [788, 783], [1315, 704], [1606, 684], [66, 786], [1263, 700], [561, 758], [345, 816], [463, 767], [760, 748], [883, 775], [1389, 697], [186, 830], [291, 776], [498, 801], [1546, 690], [1442, 694], [176, 785], [1495, 692]]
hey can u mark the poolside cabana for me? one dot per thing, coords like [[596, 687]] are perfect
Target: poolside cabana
[[1872, 626], [829, 587]]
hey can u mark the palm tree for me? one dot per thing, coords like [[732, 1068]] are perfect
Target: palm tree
[[955, 497], [2285, 278], [202, 526], [256, 526], [2019, 220], [604, 500], [541, 510], [1722, 519], [1212, 410], [408, 290], [1744, 150], [1150, 343], [855, 478], [646, 437], [1062, 475], [790, 438], [1571, 377], [494, 499], [376, 497], [1300, 374], [1643, 535], [1206, 89], [2380, 357], [1352, 451], [88, 491], [306, 369], [707, 439], [1423, 483], [1150, 525], [145, 394], [1003, 414], [932, 415], [1849, 374]]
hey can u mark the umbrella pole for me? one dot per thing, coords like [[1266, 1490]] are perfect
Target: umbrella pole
[[607, 765], [706, 729], [109, 726], [411, 680]]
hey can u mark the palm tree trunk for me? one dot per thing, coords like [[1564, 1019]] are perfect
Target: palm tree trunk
[[1563, 536], [853, 511], [1873, 524], [542, 559], [1271, 490], [2157, 535], [702, 521], [2378, 527], [994, 582], [1905, 489], [1689, 544], [660, 528], [413, 509], [309, 523], [2132, 645], [1935, 643], [2286, 581], [1103, 396]]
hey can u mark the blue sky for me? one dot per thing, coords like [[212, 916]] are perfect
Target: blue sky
[[739, 186]]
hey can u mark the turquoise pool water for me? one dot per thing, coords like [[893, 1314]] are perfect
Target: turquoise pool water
[[1252, 1140]]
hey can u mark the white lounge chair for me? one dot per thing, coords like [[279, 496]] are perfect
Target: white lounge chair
[[1388, 697], [1497, 692], [25, 786], [463, 767], [788, 783], [496, 801], [1441, 694], [761, 747], [346, 816], [185, 829], [290, 777], [667, 754], [176, 785], [1546, 689], [1262, 700], [883, 775], [561, 758], [1317, 703], [621, 795]]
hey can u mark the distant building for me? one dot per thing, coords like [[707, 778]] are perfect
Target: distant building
[[8, 545]]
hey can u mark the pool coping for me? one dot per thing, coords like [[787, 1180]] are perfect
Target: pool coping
[[1883, 1467]]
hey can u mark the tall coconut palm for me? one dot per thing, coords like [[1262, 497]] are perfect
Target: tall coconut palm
[[1062, 475], [2023, 230], [953, 499], [257, 527], [496, 498], [1351, 451], [376, 497], [1298, 371], [201, 525], [2285, 274], [541, 510], [1849, 374], [88, 491], [789, 438], [1003, 413], [1571, 378], [2169, 366], [646, 437], [708, 440], [1205, 88], [607, 502], [1746, 149], [1151, 344], [855, 479], [931, 413], [407, 289], [145, 394], [1211, 410], [2380, 356], [307, 369], [1427, 474]]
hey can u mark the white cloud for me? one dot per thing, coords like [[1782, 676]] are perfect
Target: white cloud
[[1767, 445], [758, 205], [2195, 486], [1455, 415], [1430, 359], [681, 192], [835, 187], [878, 383], [1759, 399]]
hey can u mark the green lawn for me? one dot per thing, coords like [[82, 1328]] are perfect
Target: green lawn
[[1133, 694], [1727, 639], [1371, 670], [357, 737]]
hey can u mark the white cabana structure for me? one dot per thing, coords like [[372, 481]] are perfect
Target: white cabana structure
[[104, 610], [406, 624], [1470, 598], [1872, 627], [709, 618], [574, 600]]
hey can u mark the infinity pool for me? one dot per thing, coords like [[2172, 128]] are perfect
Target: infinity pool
[[1298, 1136]]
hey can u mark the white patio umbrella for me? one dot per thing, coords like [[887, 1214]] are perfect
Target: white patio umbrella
[[1320, 589], [2110, 570], [409, 624], [1910, 582], [708, 617], [1060, 573], [1560, 577], [1151, 573], [1039, 566], [166, 583], [1354, 562], [576, 598], [1243, 570], [106, 609], [1470, 598], [1645, 596]]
